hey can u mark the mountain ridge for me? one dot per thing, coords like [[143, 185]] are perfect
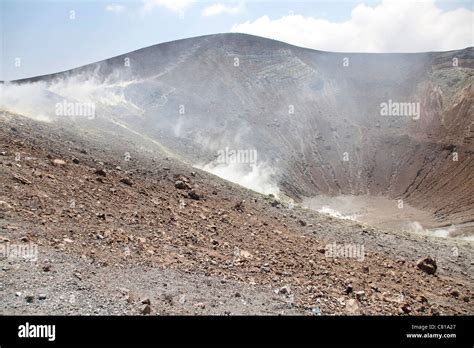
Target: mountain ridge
[[218, 36]]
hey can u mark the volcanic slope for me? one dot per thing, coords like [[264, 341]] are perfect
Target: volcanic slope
[[313, 117], [116, 232]]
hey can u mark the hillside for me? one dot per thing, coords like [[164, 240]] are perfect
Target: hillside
[[313, 117], [120, 173], [112, 233]]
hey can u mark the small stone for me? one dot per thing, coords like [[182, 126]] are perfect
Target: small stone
[[405, 308], [100, 172], [181, 185], [146, 301], [126, 181], [21, 179], [240, 206], [245, 254], [422, 299], [348, 289], [47, 268], [352, 307], [427, 265], [42, 297], [315, 311], [29, 298], [194, 195], [145, 309], [454, 293], [420, 308], [275, 203], [285, 290], [59, 162], [360, 295], [4, 205]]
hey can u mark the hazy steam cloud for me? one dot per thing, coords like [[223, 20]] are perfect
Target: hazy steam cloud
[[42, 100], [31, 99], [258, 178]]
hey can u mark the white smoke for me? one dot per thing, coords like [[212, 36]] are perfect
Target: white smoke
[[447, 232], [259, 177], [341, 207], [334, 213], [416, 227], [30, 99], [38, 100]]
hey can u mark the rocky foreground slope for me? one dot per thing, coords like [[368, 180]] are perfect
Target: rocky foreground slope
[[121, 229]]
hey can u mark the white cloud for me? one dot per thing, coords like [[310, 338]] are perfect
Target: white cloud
[[115, 8], [173, 5], [392, 26], [217, 9]]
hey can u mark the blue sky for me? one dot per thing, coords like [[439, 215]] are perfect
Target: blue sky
[[46, 37]]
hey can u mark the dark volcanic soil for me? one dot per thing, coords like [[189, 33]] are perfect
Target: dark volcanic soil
[[113, 231]]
